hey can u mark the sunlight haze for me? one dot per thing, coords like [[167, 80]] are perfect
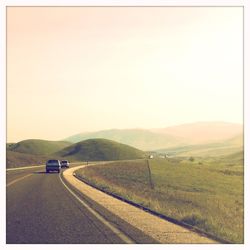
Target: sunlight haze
[[76, 69]]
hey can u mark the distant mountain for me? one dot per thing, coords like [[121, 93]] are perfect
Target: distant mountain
[[224, 147], [99, 149], [138, 138], [181, 135], [203, 132], [37, 147]]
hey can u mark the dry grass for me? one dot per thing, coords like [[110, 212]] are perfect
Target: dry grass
[[205, 193]]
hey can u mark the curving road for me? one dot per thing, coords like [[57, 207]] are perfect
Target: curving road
[[40, 209], [58, 208]]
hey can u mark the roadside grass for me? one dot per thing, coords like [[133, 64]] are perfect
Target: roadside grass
[[206, 193]]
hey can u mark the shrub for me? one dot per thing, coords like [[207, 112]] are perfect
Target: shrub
[[191, 158], [196, 220]]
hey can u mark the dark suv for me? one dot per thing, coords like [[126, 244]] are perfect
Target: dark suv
[[53, 165]]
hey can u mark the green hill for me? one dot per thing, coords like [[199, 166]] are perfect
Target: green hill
[[37, 147], [138, 138], [16, 159], [99, 150]]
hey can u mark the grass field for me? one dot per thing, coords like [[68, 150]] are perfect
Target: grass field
[[206, 192]]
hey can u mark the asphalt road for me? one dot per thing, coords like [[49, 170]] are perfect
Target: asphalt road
[[41, 210]]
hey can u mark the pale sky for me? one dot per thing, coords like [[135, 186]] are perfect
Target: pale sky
[[77, 69]]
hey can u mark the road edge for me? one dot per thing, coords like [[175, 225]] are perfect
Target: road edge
[[103, 220]]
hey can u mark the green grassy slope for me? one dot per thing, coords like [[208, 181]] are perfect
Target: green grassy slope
[[8, 145], [38, 147], [100, 149], [207, 194], [16, 159], [138, 138]]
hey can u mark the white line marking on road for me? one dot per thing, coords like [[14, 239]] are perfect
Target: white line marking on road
[[18, 179], [115, 230]]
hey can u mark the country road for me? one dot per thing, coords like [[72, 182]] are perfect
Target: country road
[[41, 210], [58, 208]]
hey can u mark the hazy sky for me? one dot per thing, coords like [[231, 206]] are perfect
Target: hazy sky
[[76, 69]]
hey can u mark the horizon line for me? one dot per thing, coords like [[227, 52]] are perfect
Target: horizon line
[[132, 128]]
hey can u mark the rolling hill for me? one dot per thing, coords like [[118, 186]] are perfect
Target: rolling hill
[[138, 138], [174, 136], [16, 159], [203, 132], [37, 147], [197, 139], [99, 149], [220, 148]]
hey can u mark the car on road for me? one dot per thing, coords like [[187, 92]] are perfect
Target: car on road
[[64, 164], [53, 165]]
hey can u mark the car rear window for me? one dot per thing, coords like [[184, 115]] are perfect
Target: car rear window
[[64, 161], [53, 161]]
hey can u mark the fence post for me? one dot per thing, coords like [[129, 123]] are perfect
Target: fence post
[[150, 176]]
